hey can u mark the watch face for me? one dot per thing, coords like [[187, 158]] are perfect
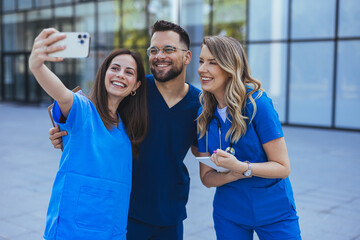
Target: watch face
[[247, 173]]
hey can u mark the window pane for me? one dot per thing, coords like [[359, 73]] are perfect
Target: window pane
[[313, 19], [160, 9], [349, 23], [37, 21], [20, 78], [42, 3], [268, 19], [13, 29], [134, 31], [85, 18], [24, 4], [311, 83], [9, 80], [268, 64], [109, 24], [348, 85], [8, 5], [85, 72], [228, 22], [63, 19], [192, 75], [194, 17], [62, 1]]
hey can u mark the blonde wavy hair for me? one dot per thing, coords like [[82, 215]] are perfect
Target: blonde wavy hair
[[231, 57]]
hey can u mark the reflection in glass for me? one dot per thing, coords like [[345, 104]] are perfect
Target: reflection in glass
[[313, 19], [13, 29], [134, 30], [268, 64], [349, 23], [311, 83], [227, 21], [348, 85], [268, 19]]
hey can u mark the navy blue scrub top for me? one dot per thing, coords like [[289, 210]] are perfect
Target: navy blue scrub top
[[160, 178]]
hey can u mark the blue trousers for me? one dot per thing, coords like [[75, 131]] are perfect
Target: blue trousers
[[137, 230], [287, 229]]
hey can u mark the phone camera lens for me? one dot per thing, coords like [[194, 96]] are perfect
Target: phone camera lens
[[79, 36], [82, 41], [85, 36]]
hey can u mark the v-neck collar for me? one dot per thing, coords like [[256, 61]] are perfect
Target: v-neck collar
[[163, 102]]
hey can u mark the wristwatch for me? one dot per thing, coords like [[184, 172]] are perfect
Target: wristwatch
[[247, 173]]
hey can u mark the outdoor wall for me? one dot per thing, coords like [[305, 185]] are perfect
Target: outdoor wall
[[306, 53]]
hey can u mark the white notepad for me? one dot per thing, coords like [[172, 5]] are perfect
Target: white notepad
[[207, 161]]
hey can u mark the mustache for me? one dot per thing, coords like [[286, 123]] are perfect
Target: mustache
[[162, 61]]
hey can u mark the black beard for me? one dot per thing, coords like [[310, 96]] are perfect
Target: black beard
[[171, 74]]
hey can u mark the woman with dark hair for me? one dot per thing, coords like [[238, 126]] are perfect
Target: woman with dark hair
[[240, 129], [91, 191]]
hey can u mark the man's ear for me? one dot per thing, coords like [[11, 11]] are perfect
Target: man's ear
[[187, 57]]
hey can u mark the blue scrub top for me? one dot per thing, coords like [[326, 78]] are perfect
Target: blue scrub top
[[91, 191], [160, 178], [252, 201]]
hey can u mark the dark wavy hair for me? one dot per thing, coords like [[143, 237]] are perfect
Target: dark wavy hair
[[162, 26], [132, 109]]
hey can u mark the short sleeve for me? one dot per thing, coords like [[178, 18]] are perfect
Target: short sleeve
[[78, 113], [266, 121], [201, 141]]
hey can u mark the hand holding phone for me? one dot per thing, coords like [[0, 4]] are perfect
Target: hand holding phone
[[77, 45]]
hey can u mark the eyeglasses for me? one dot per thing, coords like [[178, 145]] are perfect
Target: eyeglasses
[[153, 51]]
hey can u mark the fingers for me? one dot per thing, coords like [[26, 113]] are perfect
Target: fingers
[[45, 33], [53, 38]]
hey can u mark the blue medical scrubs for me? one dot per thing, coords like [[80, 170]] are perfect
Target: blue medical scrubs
[[160, 178], [252, 202], [91, 191]]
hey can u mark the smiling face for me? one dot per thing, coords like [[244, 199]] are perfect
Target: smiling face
[[167, 66], [121, 77], [212, 77]]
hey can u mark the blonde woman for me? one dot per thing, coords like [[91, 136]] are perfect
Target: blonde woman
[[240, 129]]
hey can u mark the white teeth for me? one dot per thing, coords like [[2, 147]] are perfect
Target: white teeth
[[161, 65], [206, 79], [118, 84]]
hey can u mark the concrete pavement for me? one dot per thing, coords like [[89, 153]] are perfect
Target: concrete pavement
[[325, 176]]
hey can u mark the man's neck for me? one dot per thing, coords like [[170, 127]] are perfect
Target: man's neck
[[173, 91]]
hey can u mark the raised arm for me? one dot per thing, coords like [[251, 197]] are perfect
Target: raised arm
[[46, 78]]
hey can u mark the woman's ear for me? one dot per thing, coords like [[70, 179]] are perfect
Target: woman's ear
[[137, 85]]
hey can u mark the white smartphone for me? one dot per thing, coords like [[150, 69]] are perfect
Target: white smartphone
[[77, 45], [207, 161]]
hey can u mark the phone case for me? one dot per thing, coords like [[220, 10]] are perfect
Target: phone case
[[77, 45]]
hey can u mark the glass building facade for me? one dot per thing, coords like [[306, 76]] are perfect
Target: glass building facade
[[306, 53]]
